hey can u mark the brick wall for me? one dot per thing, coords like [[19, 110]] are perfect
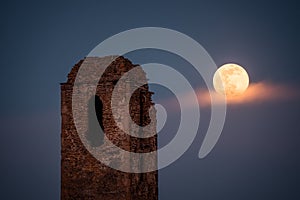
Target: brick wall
[[82, 175]]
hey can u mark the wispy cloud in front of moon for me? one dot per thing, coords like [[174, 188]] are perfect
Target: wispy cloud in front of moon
[[261, 92], [256, 93]]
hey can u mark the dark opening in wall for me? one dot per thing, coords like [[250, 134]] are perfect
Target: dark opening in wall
[[95, 133], [139, 97]]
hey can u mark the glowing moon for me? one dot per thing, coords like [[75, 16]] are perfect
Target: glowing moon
[[231, 80]]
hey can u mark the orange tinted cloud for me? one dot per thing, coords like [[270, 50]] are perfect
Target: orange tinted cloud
[[256, 92]]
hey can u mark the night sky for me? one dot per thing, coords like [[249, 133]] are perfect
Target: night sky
[[257, 156]]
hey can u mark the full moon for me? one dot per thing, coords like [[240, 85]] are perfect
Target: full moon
[[231, 80]]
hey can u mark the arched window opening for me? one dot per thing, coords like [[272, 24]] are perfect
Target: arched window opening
[[95, 133]]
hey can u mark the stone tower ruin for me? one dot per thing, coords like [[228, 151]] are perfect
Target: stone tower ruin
[[82, 175]]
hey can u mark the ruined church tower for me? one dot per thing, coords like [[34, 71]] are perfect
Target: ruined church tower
[[82, 175]]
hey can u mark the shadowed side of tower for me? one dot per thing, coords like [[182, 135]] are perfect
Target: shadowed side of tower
[[82, 175]]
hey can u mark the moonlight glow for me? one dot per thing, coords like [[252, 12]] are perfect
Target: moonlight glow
[[231, 80]]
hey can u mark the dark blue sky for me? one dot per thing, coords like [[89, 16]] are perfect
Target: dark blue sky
[[257, 156]]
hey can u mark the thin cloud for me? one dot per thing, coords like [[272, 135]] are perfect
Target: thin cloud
[[256, 93]]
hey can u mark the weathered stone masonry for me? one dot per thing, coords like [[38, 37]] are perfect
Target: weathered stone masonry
[[82, 175]]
